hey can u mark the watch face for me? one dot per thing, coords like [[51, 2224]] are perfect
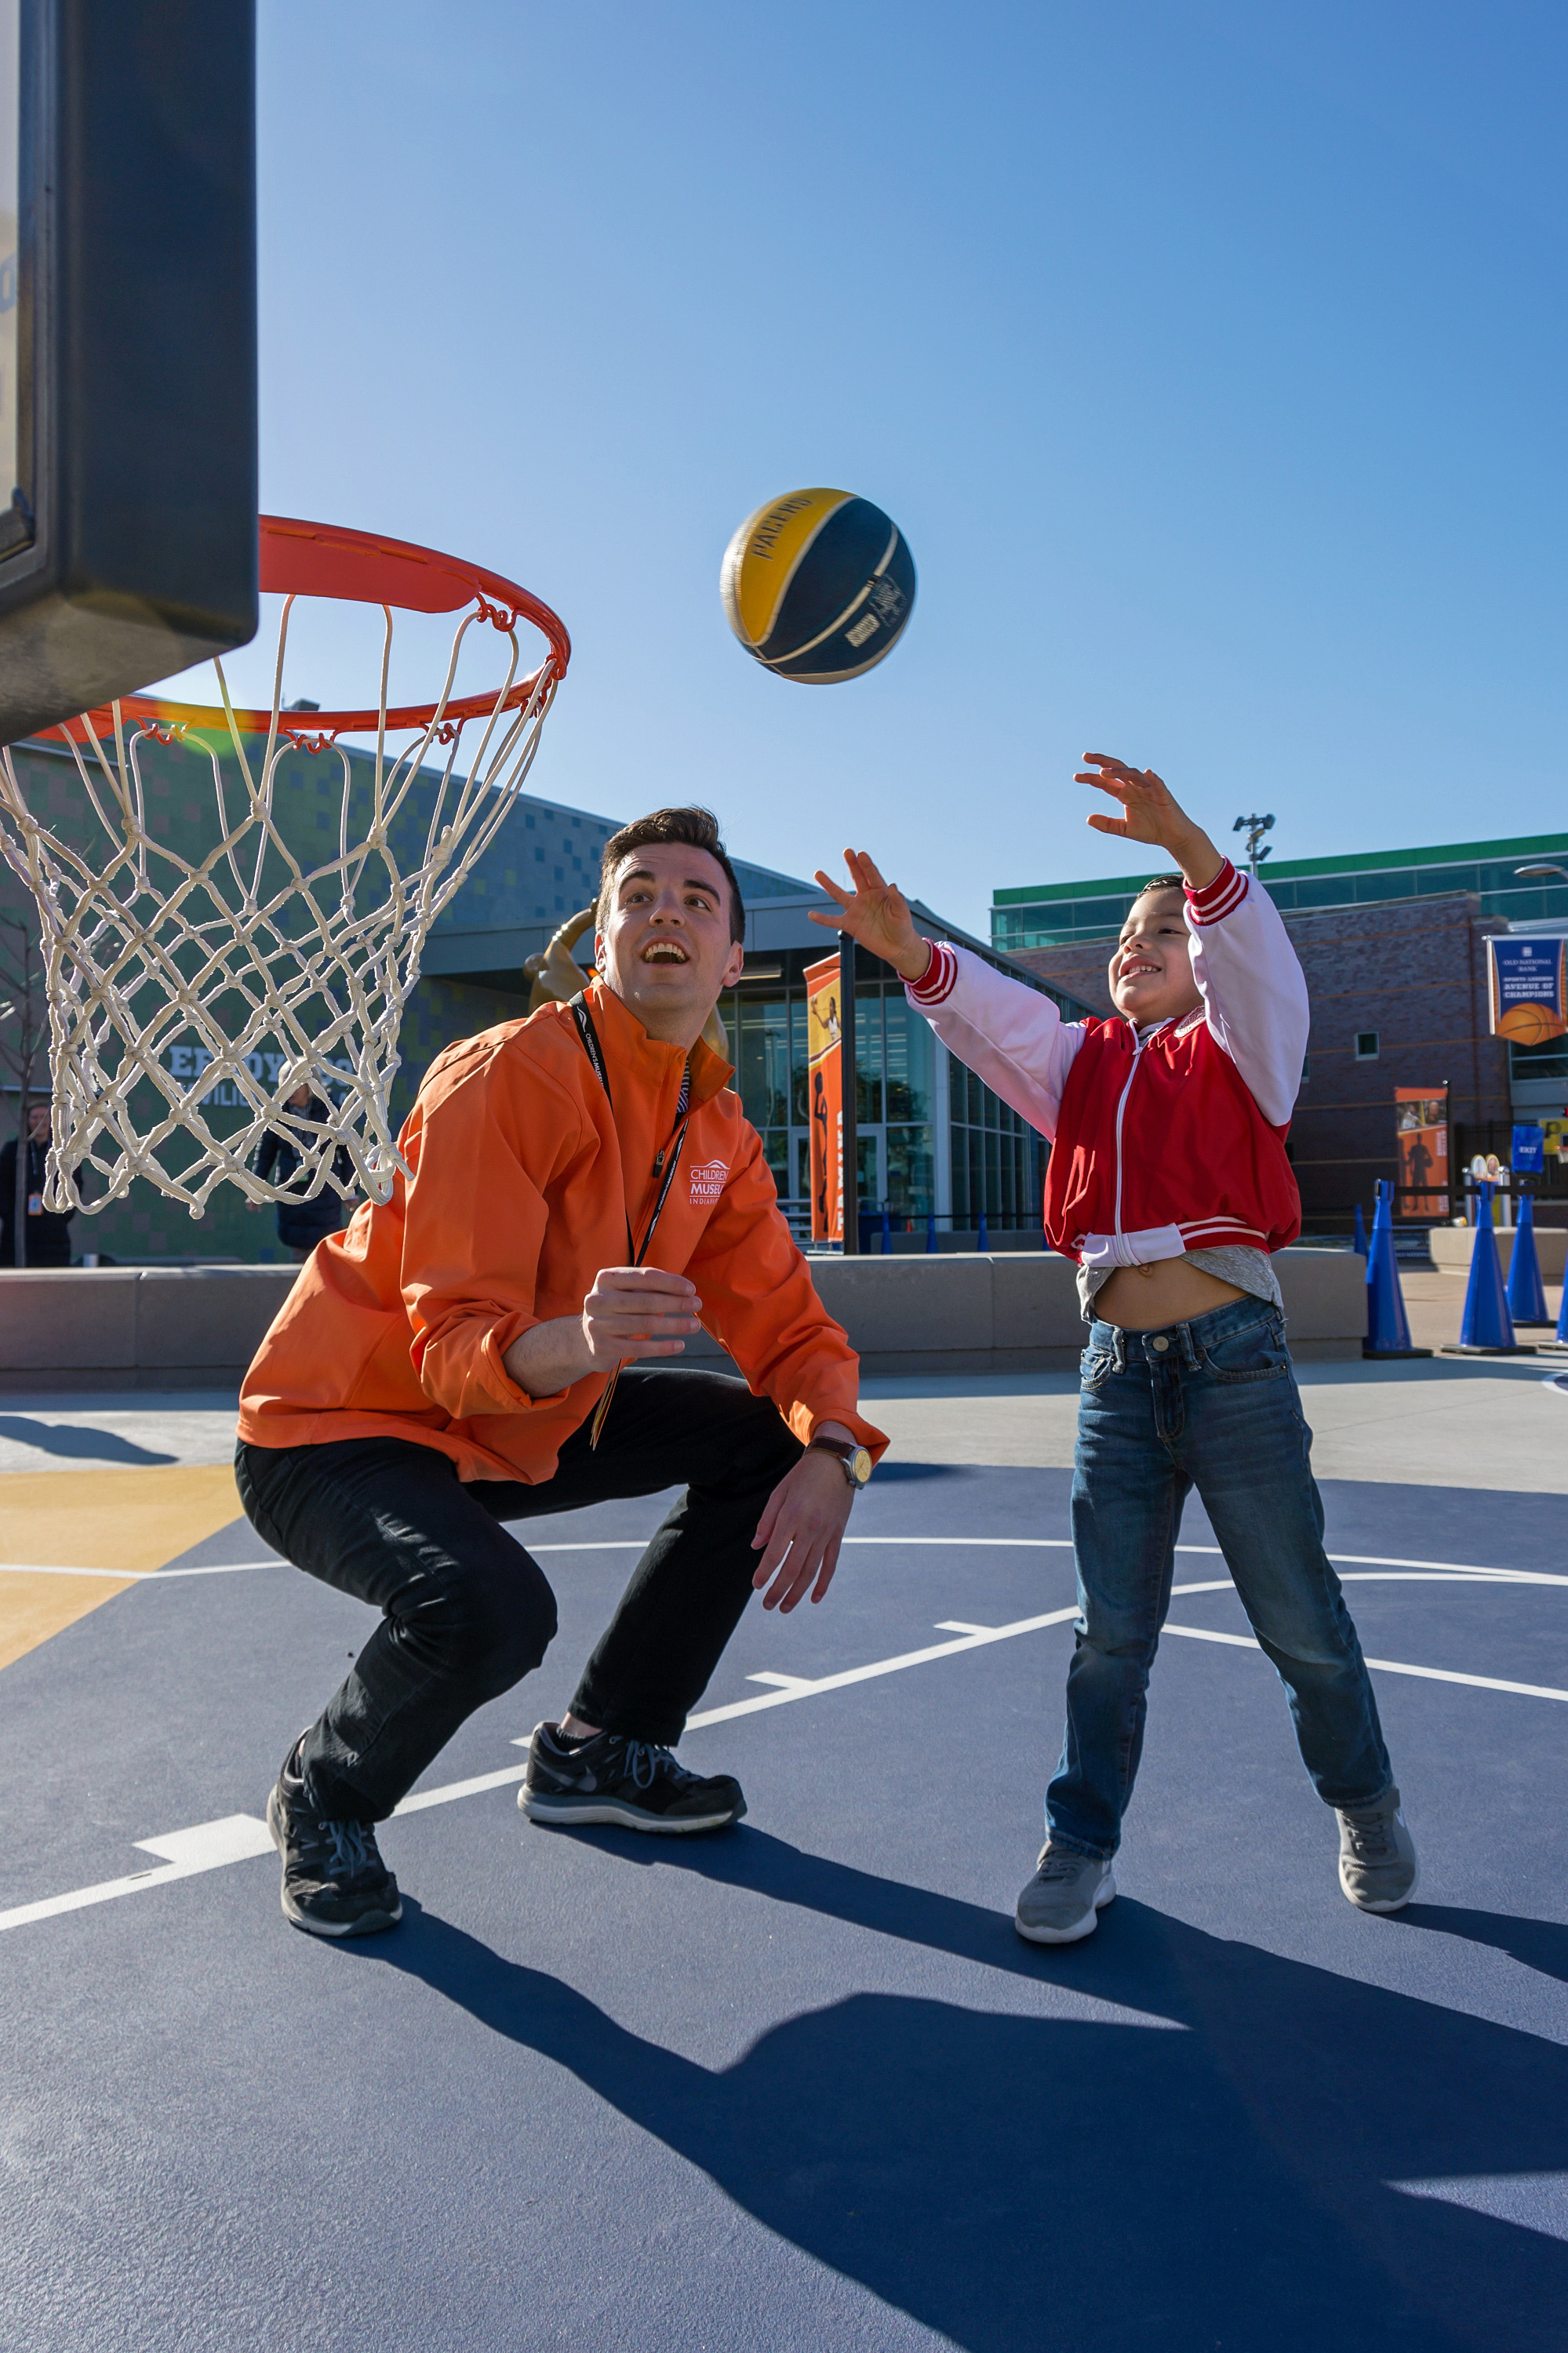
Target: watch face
[[860, 1466]]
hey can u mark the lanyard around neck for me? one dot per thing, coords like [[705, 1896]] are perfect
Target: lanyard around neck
[[667, 1159]]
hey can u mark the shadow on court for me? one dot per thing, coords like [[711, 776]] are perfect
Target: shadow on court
[[1540, 1945], [76, 1443], [1218, 2178]]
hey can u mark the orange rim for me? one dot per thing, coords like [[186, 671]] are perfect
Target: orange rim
[[362, 567]]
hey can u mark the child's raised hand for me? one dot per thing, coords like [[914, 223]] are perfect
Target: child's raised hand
[[876, 913], [1150, 812]]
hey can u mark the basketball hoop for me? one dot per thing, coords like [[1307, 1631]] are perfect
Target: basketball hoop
[[257, 966]]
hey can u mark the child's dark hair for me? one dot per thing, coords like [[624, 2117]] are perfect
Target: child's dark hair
[[692, 828], [1161, 882]]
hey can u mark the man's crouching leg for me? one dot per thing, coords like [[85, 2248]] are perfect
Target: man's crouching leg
[[466, 1613], [610, 1760]]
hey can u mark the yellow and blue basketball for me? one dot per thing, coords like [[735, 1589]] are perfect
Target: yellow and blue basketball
[[818, 586]]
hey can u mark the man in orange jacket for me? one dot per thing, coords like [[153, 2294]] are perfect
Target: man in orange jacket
[[585, 1193]]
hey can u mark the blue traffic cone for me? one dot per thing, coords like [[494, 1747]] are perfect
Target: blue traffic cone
[[1488, 1328], [1526, 1291], [982, 1243], [1388, 1326], [1562, 1314], [1360, 1232]]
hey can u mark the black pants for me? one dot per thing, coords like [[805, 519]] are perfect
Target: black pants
[[467, 1612]]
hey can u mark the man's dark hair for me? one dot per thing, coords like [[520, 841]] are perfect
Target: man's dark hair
[[692, 828]]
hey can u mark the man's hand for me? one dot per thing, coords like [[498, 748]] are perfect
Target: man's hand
[[632, 1312], [1151, 813], [799, 1533], [876, 913]]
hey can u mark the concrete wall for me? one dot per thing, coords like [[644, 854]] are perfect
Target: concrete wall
[[1451, 1247], [124, 1328], [128, 1328]]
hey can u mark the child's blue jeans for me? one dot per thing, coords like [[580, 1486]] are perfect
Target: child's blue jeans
[[1213, 1405]]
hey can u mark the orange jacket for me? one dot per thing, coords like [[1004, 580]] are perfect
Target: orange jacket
[[522, 1187]]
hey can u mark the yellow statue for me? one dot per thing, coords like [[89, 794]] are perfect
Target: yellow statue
[[558, 976]]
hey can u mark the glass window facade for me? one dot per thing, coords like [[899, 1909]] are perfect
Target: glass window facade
[[1547, 1061], [907, 1145], [998, 1160]]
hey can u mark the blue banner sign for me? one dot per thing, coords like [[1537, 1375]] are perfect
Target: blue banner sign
[[1529, 1151], [1526, 983]]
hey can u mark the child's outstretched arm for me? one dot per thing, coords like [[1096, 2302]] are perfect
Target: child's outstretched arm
[[1150, 812], [1252, 987], [1012, 1036]]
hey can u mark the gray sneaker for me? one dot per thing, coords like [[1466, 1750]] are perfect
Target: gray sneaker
[[1378, 1870], [1066, 1897]]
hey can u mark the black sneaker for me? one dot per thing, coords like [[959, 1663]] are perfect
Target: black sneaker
[[334, 1881], [613, 1780]]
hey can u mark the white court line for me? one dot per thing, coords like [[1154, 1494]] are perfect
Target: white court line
[[637, 1544], [135, 1576], [191, 1842], [212, 1846], [1386, 1666]]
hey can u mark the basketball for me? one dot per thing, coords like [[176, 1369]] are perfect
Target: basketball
[[1529, 1025], [818, 586]]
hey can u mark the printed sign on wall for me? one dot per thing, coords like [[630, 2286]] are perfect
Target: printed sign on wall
[[1421, 1141], [824, 1081], [1525, 979]]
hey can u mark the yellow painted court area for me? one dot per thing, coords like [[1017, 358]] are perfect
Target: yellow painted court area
[[112, 1520]]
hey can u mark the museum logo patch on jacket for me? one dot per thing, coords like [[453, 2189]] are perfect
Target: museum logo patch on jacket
[[707, 1180]]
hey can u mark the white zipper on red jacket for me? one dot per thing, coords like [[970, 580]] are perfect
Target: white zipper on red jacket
[[1138, 1043]]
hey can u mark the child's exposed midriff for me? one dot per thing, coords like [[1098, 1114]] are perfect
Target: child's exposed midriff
[[1172, 1291]]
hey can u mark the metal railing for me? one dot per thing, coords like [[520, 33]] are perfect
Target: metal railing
[[880, 1221]]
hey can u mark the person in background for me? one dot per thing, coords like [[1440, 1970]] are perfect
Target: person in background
[[278, 1160], [46, 1240]]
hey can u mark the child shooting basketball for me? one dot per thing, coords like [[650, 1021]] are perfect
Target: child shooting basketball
[[1170, 1186]]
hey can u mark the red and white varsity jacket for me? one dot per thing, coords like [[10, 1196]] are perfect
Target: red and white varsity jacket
[[1168, 1139]]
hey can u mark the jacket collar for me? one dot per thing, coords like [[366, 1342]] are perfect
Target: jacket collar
[[651, 1062]]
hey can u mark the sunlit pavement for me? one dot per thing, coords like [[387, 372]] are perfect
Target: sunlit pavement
[[801, 2085]]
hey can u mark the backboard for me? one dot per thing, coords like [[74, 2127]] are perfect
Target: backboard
[[128, 472]]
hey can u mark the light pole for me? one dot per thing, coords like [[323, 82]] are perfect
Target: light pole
[[1255, 827]]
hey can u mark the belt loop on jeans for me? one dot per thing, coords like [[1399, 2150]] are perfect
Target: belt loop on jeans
[[1118, 1350], [1188, 1348]]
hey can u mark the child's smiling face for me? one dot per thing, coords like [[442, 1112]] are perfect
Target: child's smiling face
[[1151, 971]]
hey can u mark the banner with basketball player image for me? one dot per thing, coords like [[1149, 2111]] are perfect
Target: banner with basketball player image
[[1421, 1142], [1525, 982], [824, 1081]]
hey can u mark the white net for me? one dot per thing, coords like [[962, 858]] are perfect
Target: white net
[[245, 954]]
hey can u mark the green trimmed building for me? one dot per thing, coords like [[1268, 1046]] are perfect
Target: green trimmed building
[[1060, 915]]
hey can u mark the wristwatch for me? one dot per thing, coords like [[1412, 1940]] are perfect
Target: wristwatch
[[854, 1461]]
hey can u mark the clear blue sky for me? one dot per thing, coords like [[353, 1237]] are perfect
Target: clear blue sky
[[1211, 356]]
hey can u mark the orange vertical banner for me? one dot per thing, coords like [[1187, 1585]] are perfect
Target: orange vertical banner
[[824, 1080], [1421, 1142]]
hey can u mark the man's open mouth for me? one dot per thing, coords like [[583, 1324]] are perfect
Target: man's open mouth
[[665, 951]]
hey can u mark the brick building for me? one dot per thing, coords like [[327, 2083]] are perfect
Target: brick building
[[1399, 998]]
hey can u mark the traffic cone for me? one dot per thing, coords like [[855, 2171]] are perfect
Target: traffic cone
[[1388, 1326], [1360, 1232], [1526, 1291], [1488, 1328]]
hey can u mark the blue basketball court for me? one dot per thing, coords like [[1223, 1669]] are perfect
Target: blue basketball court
[[801, 2085]]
